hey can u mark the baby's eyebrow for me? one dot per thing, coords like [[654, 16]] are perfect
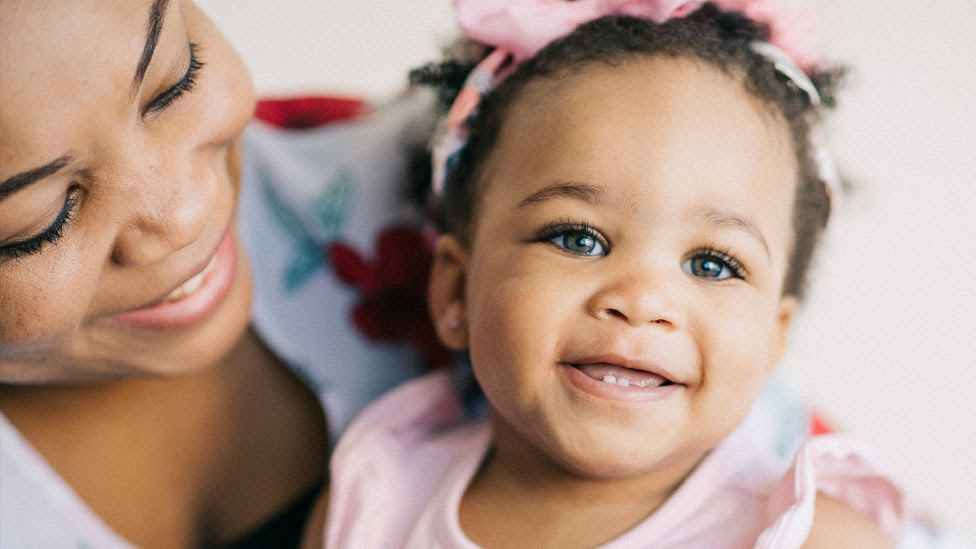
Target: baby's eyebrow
[[566, 189], [724, 218]]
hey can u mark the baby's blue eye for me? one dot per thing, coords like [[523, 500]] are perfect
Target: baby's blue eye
[[579, 243], [713, 266]]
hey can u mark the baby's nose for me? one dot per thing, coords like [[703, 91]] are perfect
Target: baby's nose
[[637, 298]]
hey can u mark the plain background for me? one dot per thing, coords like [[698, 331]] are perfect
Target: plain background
[[887, 342]]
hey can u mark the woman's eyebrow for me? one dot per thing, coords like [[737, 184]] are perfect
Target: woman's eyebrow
[[24, 179], [154, 27]]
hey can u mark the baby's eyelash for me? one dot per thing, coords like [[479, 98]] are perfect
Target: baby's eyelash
[[177, 90], [726, 256], [575, 237], [49, 235], [552, 230]]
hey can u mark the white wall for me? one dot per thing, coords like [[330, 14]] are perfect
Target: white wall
[[887, 344]]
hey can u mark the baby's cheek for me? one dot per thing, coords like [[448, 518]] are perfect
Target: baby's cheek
[[510, 341], [736, 369]]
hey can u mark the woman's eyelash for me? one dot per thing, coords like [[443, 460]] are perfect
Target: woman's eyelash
[[177, 90], [49, 235]]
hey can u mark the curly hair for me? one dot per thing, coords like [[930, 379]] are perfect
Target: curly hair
[[721, 39]]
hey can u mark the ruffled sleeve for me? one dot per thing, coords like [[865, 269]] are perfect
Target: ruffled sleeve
[[841, 468]]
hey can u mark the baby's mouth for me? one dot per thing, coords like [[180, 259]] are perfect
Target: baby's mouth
[[613, 374]]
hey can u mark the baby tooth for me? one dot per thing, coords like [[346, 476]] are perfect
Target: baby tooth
[[612, 380], [623, 382]]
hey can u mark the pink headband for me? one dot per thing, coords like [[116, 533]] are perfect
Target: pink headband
[[518, 29], [523, 27]]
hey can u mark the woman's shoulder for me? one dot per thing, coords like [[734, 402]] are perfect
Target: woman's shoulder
[[38, 508]]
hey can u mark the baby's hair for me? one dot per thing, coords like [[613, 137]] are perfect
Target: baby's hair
[[721, 39]]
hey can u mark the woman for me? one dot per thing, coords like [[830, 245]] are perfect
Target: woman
[[137, 405]]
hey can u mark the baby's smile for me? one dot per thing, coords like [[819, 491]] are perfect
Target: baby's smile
[[624, 377], [619, 378]]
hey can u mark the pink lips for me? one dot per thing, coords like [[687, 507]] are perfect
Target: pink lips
[[602, 376], [195, 307]]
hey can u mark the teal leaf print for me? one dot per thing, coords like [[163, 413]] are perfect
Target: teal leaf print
[[332, 205], [331, 208]]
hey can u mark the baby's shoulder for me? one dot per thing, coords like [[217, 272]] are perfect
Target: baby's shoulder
[[837, 525], [398, 472], [838, 493]]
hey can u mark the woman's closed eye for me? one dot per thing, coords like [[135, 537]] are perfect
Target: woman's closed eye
[[51, 234], [575, 238], [54, 231], [177, 90], [713, 264]]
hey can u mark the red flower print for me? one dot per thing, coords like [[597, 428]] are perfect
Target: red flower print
[[393, 285], [308, 112]]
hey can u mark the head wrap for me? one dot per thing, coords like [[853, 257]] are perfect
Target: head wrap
[[519, 29]]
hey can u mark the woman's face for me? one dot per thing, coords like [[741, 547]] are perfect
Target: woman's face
[[119, 131]]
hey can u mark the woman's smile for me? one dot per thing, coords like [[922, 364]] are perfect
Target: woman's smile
[[193, 301]]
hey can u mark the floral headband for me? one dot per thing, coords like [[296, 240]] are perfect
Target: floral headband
[[518, 29]]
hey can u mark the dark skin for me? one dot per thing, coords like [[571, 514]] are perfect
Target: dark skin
[[226, 448], [175, 436]]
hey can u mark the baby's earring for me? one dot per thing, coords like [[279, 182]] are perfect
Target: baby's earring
[[454, 323], [453, 318], [451, 328]]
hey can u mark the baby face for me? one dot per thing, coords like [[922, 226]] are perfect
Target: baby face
[[622, 291]]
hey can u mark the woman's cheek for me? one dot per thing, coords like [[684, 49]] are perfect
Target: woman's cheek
[[45, 297]]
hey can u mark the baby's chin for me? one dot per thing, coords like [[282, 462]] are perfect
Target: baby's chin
[[625, 457]]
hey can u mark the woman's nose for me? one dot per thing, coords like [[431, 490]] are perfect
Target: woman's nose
[[166, 214], [638, 297]]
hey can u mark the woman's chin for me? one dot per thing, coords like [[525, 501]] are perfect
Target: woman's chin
[[200, 347]]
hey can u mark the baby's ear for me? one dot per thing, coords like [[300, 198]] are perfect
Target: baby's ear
[[445, 292], [784, 320]]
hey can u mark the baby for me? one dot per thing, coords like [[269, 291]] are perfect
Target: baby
[[631, 192]]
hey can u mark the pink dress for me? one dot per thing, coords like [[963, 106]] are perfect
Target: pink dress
[[399, 472]]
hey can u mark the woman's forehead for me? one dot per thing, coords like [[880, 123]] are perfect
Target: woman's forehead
[[32, 28], [61, 61]]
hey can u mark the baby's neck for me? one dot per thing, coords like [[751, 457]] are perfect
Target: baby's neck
[[543, 504]]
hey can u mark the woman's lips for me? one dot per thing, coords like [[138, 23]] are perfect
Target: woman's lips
[[193, 301]]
